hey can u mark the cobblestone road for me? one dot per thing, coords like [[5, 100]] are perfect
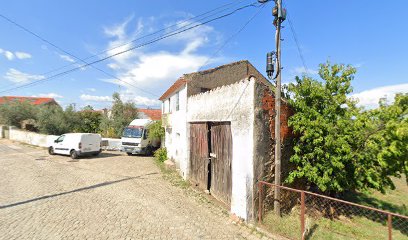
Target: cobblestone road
[[112, 196]]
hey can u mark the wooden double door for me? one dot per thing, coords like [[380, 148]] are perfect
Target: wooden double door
[[211, 158]]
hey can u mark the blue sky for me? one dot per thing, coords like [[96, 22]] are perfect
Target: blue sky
[[370, 35]]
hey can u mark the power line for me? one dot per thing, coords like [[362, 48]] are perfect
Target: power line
[[130, 49], [228, 5], [233, 36], [70, 54], [294, 35], [234, 3]]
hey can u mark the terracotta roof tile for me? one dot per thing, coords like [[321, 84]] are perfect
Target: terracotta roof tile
[[31, 100], [153, 114], [180, 82]]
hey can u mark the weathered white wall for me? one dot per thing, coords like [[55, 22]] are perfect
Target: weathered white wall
[[1, 131], [43, 140], [176, 132], [31, 138], [233, 103], [114, 144]]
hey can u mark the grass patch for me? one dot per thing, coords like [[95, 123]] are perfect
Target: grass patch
[[350, 227], [172, 176], [324, 228], [393, 201]]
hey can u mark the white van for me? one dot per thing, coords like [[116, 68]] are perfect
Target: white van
[[76, 145], [135, 138]]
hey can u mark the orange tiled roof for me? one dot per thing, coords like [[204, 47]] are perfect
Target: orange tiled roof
[[31, 100], [180, 82], [154, 114]]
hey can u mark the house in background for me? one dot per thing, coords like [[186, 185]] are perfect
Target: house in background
[[152, 114], [219, 131], [31, 100]]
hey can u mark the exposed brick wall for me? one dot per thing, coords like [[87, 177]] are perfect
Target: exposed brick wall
[[264, 134]]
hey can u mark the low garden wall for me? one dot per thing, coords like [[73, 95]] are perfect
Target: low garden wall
[[31, 138], [42, 140]]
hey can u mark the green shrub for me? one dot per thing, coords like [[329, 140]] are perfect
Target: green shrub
[[156, 130], [161, 154]]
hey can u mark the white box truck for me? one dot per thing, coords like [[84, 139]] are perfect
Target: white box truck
[[76, 145], [135, 138]]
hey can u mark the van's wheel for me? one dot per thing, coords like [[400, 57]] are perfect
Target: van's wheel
[[51, 151], [73, 154], [149, 151], [129, 154]]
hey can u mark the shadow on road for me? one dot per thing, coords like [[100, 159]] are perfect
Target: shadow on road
[[76, 190]]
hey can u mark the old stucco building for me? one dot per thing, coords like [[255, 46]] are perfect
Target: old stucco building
[[218, 132]]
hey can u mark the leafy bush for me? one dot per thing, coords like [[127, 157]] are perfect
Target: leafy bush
[[15, 112], [122, 114], [54, 120], [342, 147], [90, 121], [161, 154], [156, 130]]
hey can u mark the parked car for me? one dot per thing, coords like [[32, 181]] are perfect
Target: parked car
[[135, 138], [76, 145]]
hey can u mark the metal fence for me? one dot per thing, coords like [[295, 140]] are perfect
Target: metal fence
[[307, 215]]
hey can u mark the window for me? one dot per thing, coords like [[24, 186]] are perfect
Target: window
[[177, 101], [146, 134], [132, 132], [60, 139]]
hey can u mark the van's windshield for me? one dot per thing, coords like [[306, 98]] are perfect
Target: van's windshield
[[132, 132]]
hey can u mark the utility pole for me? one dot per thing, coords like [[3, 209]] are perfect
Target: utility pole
[[280, 15], [278, 109]]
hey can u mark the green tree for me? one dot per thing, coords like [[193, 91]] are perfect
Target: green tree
[[54, 120], [90, 120], [341, 147], [14, 113], [50, 120], [121, 115], [156, 130], [383, 141]]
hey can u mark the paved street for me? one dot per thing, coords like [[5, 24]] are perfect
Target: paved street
[[113, 196]]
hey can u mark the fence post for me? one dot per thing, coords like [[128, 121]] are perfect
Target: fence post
[[259, 202], [389, 224], [302, 214]]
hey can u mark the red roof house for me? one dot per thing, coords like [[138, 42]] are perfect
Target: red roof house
[[32, 100], [153, 114]]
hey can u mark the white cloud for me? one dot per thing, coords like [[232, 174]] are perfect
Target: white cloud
[[67, 58], [302, 70], [144, 67], [369, 98], [48, 95], [91, 89], [16, 76], [22, 55], [129, 96], [138, 100], [126, 96], [93, 98], [10, 55]]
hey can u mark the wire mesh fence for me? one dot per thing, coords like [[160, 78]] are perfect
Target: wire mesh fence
[[306, 215]]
